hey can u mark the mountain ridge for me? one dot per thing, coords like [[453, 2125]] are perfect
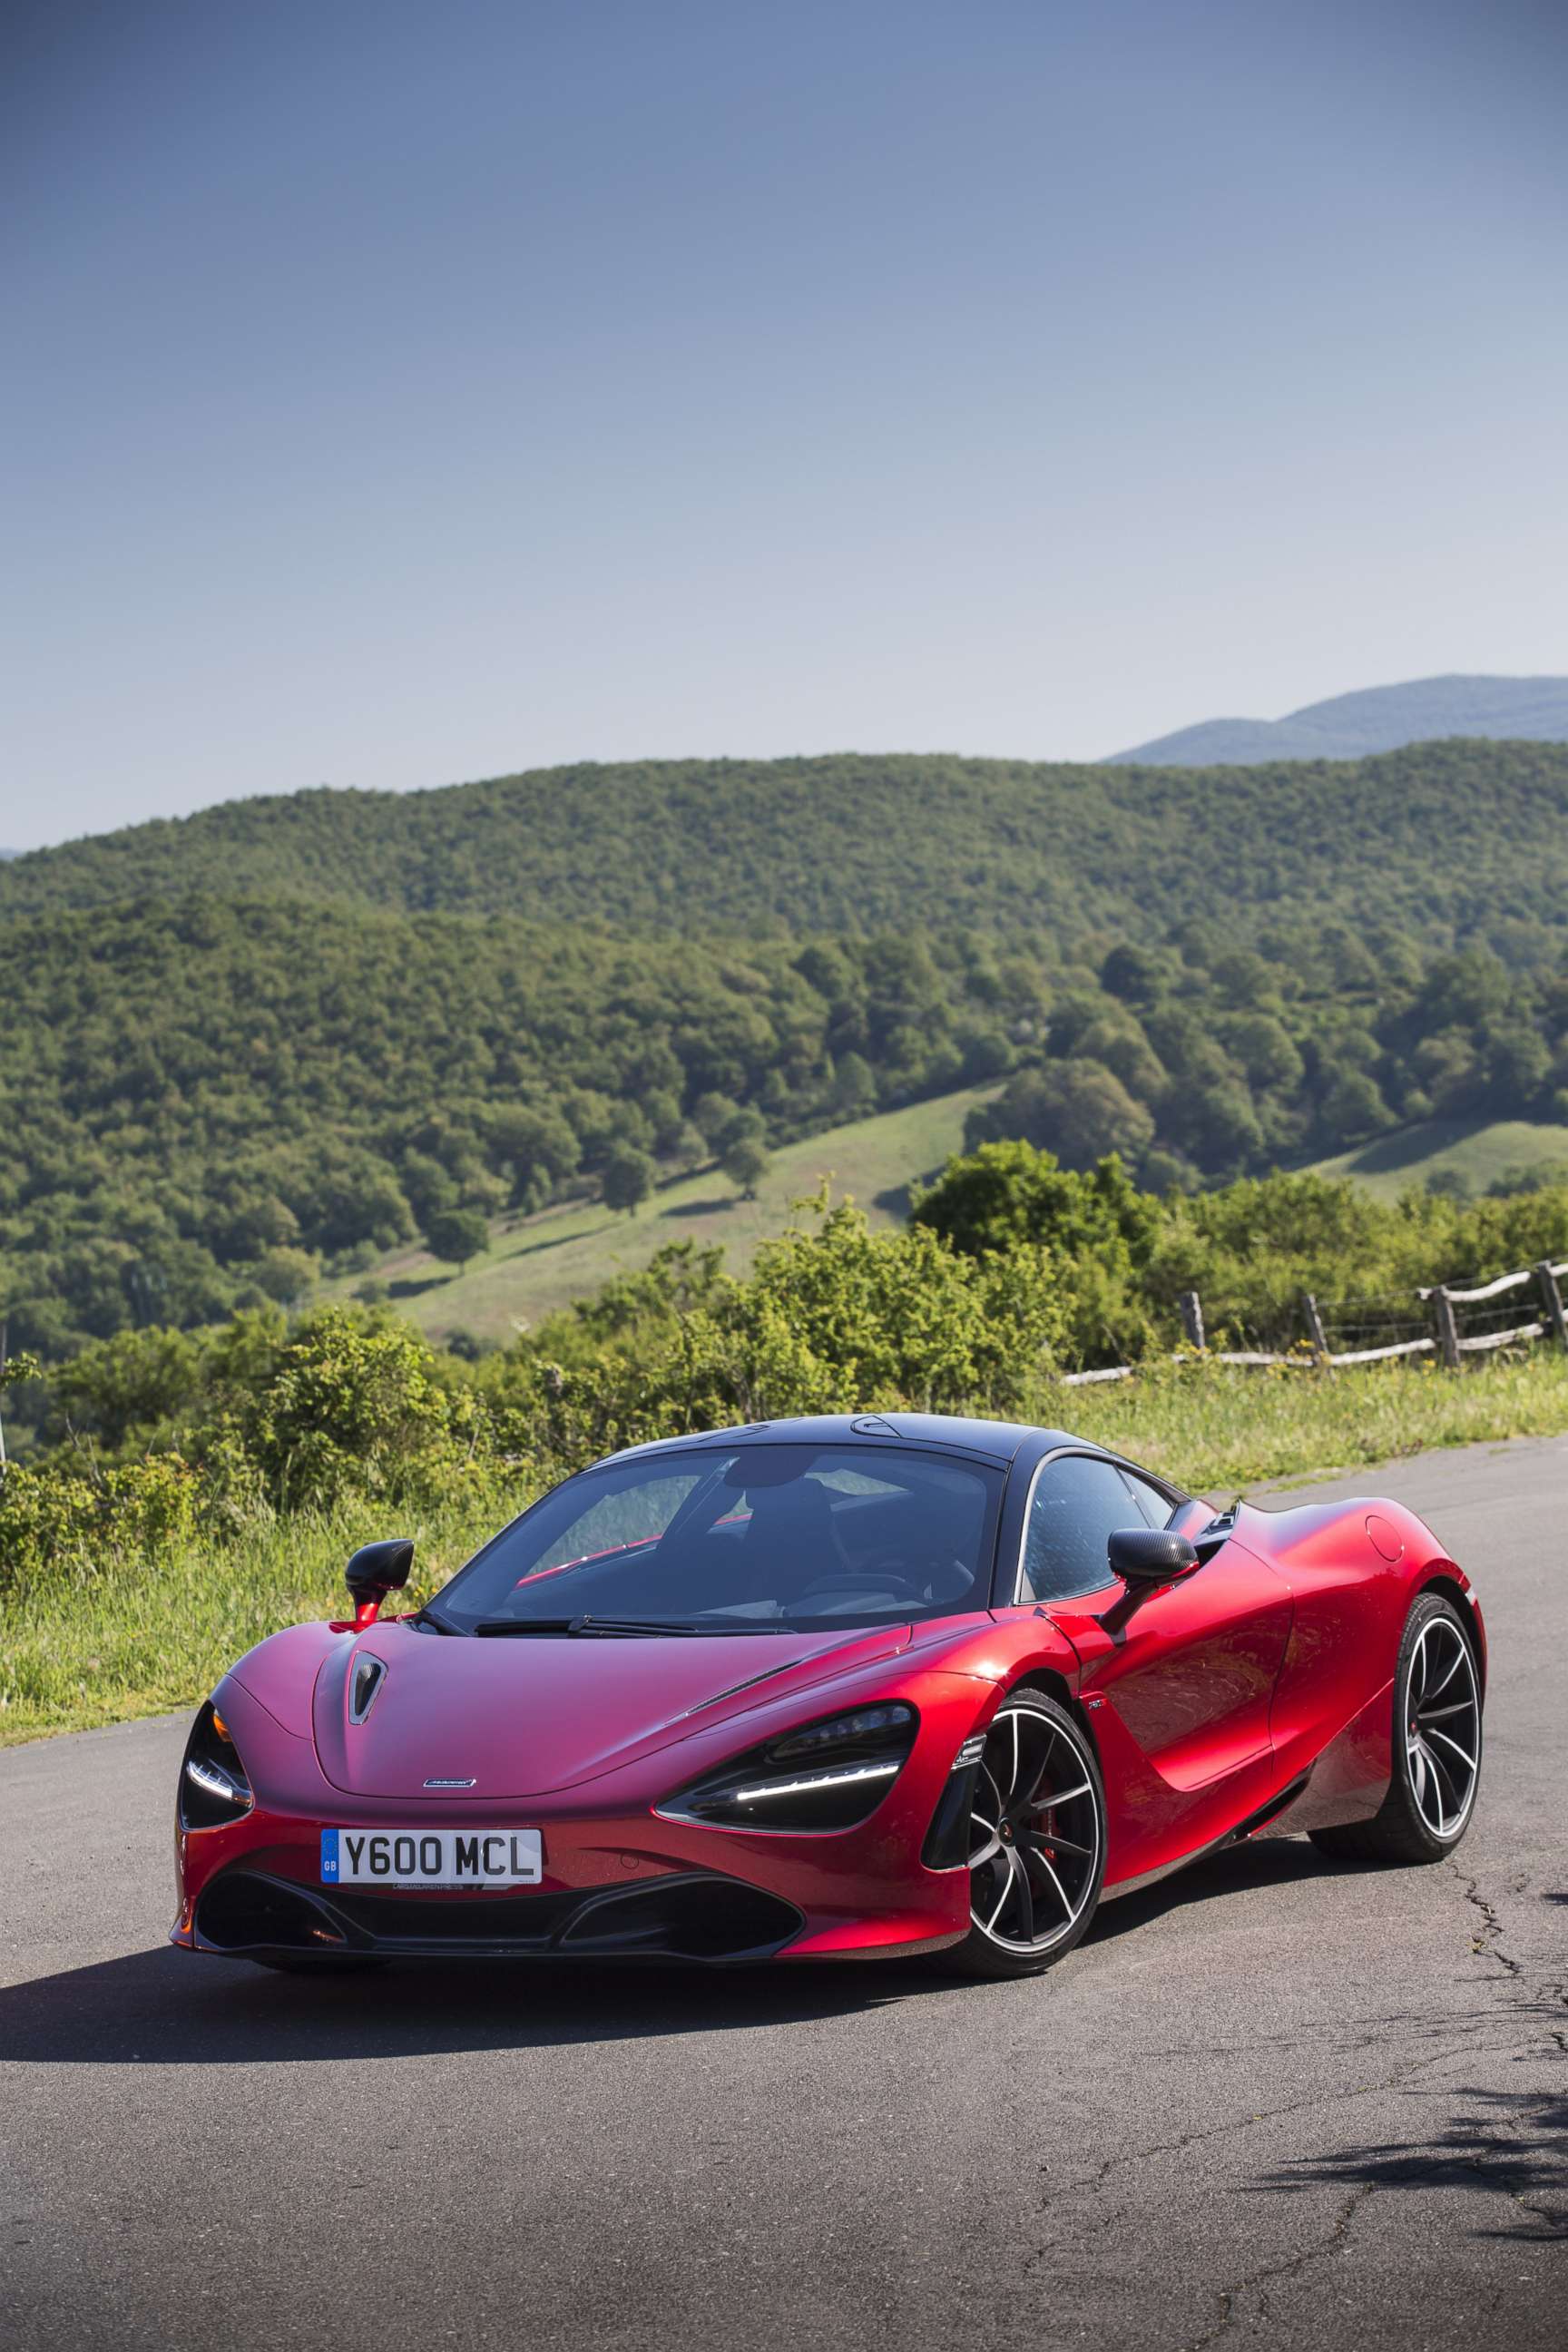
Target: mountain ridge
[[1479, 707]]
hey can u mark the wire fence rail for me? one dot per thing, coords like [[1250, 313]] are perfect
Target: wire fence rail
[[1441, 1320]]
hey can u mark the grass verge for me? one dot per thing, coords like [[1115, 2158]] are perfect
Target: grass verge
[[136, 1638], [1226, 1429]]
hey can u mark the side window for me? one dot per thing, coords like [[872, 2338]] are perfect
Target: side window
[[1152, 1503], [1077, 1504]]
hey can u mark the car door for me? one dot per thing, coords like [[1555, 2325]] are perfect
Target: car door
[[1188, 1669]]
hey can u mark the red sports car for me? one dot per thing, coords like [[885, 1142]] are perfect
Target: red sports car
[[829, 1689]]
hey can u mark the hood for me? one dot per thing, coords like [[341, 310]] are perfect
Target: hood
[[525, 1717]]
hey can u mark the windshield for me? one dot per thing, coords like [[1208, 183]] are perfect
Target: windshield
[[764, 1538]]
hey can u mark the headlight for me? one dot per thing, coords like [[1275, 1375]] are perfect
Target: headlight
[[213, 1784], [830, 1775]]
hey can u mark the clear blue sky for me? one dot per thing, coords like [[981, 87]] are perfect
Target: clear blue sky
[[401, 393]]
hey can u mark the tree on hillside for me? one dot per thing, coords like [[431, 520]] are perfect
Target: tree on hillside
[[1078, 1109], [854, 1086], [1137, 974], [286, 1275], [627, 1179], [457, 1235], [1096, 1223], [690, 1146], [745, 1164], [1354, 1109], [711, 1114], [1005, 1194], [538, 1148]]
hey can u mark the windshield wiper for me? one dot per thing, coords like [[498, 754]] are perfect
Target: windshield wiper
[[663, 1625], [501, 1628]]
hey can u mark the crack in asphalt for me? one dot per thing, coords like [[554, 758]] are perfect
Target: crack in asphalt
[[1094, 2181], [1290, 2267], [1495, 2159], [1488, 1945], [1531, 2147]]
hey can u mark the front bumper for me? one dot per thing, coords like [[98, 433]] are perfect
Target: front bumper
[[695, 1915], [620, 1880]]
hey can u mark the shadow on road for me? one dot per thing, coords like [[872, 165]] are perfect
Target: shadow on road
[[167, 2008], [1512, 2144], [1234, 1871]]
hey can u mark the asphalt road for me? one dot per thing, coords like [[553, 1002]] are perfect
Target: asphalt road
[[1273, 2102]]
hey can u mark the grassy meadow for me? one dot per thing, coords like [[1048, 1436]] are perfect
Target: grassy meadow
[[535, 1265], [1479, 1151]]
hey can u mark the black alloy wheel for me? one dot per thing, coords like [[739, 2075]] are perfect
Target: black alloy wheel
[[1437, 1745], [1037, 1853]]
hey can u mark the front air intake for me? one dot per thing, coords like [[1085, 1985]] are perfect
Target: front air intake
[[688, 1918], [241, 1911]]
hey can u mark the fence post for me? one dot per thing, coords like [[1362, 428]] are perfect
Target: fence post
[[1315, 1331], [1447, 1329], [1552, 1300], [1191, 1307]]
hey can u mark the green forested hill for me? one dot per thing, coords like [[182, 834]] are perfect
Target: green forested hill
[[282, 1037], [1442, 840], [204, 1098]]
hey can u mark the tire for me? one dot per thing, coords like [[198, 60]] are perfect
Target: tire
[[1437, 1747], [1038, 1857]]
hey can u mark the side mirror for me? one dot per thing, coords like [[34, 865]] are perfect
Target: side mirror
[[376, 1570], [1150, 1555]]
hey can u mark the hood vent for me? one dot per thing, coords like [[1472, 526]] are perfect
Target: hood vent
[[369, 1674]]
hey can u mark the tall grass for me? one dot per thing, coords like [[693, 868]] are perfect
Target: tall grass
[[1222, 1428], [133, 1638], [137, 1637]]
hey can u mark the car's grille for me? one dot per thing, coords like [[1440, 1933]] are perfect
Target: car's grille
[[511, 1919], [695, 1916]]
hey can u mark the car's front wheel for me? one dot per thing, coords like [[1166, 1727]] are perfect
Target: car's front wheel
[[1437, 1747], [1037, 1853]]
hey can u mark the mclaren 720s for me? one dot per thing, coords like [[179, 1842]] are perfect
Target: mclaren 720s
[[829, 1689]]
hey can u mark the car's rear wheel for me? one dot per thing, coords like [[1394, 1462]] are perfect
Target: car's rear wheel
[[1036, 1855], [1437, 1747]]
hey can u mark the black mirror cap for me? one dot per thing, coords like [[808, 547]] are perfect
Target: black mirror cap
[[1150, 1555], [377, 1568]]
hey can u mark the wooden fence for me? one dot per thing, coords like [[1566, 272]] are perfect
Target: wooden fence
[[1438, 1305]]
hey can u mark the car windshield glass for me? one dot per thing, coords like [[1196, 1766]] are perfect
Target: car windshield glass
[[764, 1538]]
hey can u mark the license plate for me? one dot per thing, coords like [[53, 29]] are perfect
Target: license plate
[[431, 1857]]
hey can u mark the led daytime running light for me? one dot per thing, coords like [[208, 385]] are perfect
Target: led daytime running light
[[842, 1776], [824, 1777], [217, 1781]]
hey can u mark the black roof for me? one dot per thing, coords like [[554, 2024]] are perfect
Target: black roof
[[996, 1441]]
